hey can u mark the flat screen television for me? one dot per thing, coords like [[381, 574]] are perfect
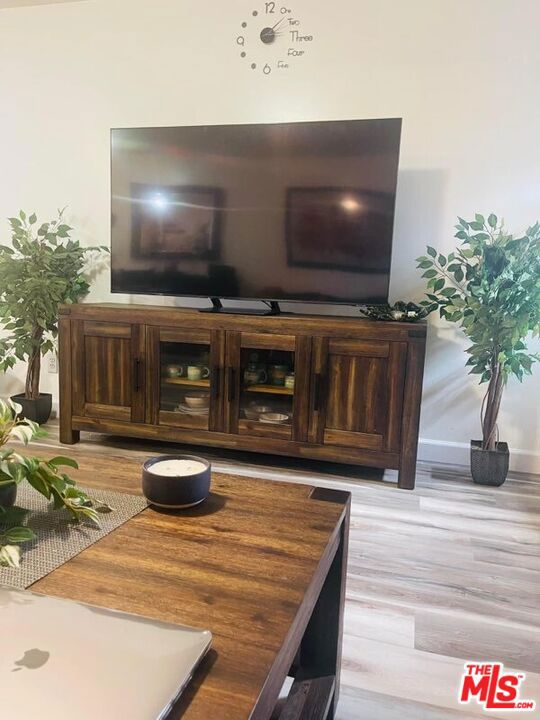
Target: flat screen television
[[291, 211]]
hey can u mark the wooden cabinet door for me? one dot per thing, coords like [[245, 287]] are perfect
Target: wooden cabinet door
[[108, 370], [357, 393], [185, 378], [260, 401]]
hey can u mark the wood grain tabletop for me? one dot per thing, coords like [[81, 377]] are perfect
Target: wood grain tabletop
[[247, 565]]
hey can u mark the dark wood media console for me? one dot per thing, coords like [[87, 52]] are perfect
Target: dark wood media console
[[328, 388]]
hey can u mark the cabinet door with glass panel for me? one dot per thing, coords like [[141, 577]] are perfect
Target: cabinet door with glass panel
[[267, 378], [186, 384]]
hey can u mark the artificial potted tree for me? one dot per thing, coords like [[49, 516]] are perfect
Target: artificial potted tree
[[490, 286], [43, 268]]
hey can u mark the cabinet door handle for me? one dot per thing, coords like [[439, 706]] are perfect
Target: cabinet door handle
[[215, 378], [137, 366], [318, 391], [232, 383]]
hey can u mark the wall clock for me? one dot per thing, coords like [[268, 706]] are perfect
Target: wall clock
[[272, 38]]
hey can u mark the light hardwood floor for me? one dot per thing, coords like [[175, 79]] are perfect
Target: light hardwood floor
[[444, 574]]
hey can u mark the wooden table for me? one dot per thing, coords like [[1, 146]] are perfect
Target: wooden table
[[261, 564]]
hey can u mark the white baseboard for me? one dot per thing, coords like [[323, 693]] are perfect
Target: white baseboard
[[454, 453]]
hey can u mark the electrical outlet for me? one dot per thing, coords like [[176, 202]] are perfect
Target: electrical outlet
[[53, 364]]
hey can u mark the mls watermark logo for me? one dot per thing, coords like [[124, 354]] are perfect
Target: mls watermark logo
[[493, 687]]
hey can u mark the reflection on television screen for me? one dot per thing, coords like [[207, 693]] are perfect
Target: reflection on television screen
[[299, 211]]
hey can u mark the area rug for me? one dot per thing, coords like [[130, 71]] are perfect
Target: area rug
[[58, 539]]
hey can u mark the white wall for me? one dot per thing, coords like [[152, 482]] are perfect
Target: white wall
[[463, 74]]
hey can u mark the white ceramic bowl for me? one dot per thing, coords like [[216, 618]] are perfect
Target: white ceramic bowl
[[254, 412], [197, 400], [260, 409], [274, 418]]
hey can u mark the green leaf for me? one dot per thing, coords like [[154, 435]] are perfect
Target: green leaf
[[89, 513], [63, 230], [439, 284], [477, 225], [60, 460], [10, 556], [56, 482], [17, 535], [425, 264], [24, 433], [32, 219], [431, 251], [429, 274], [492, 221], [13, 516], [442, 260], [39, 484], [479, 218]]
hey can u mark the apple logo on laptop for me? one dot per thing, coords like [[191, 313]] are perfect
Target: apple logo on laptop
[[32, 660]]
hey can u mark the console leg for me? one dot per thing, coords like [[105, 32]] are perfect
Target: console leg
[[69, 437], [411, 414], [407, 475]]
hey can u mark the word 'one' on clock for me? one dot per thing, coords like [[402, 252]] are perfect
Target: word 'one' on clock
[[272, 39]]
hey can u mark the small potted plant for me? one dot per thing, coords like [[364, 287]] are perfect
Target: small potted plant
[[45, 476], [490, 286], [401, 311], [43, 268]]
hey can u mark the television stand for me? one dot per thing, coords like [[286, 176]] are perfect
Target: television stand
[[217, 307], [343, 389]]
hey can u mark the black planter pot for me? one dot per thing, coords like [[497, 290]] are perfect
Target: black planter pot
[[8, 495], [489, 467], [37, 410]]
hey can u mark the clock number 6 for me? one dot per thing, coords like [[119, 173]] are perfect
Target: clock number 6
[[270, 8]]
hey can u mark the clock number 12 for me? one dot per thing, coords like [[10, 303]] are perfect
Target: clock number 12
[[270, 8]]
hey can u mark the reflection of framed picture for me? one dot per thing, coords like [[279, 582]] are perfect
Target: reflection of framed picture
[[176, 221], [339, 228]]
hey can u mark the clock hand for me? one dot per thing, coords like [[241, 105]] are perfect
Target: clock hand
[[278, 23]]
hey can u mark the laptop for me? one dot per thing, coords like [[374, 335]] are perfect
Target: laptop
[[61, 660]]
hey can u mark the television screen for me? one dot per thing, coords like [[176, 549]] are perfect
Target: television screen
[[294, 211]]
